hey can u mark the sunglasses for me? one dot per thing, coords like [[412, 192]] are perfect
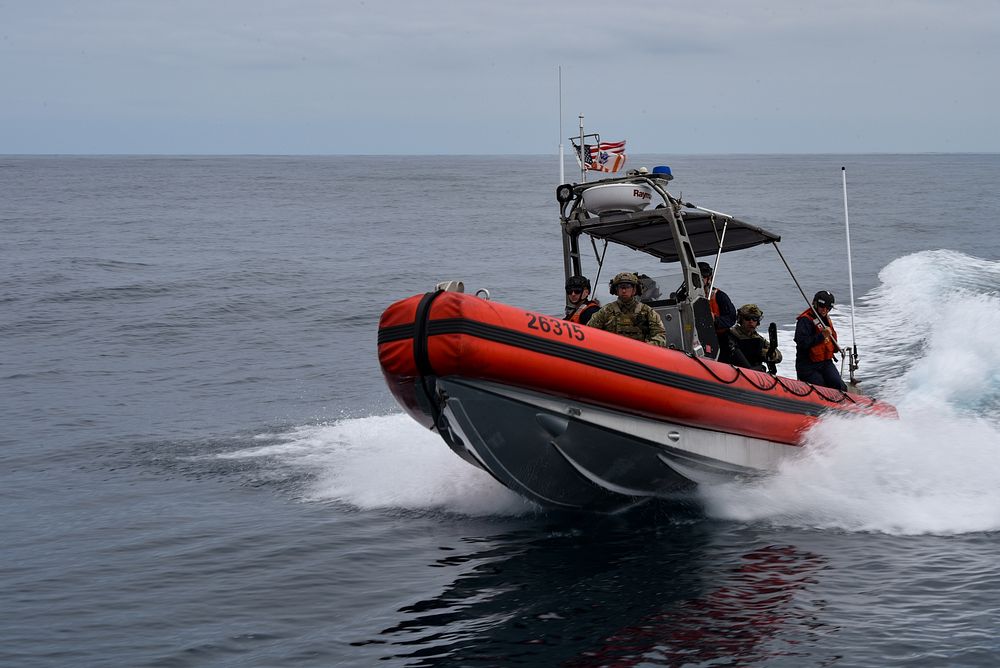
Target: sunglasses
[[751, 317], [574, 291]]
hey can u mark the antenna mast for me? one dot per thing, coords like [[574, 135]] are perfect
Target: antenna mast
[[850, 353], [562, 164]]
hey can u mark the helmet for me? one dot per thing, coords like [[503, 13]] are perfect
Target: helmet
[[577, 282], [705, 269], [824, 298], [751, 310], [624, 277]]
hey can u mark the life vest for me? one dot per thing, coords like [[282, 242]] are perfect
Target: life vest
[[713, 303], [825, 349], [584, 307], [751, 345]]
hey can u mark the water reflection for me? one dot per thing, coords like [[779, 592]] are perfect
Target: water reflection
[[733, 621], [617, 595]]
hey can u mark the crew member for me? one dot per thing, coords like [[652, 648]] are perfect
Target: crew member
[[755, 349], [816, 343], [628, 316], [723, 312], [579, 306]]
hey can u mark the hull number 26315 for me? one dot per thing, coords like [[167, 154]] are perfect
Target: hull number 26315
[[557, 327]]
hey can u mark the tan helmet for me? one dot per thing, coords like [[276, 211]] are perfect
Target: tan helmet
[[750, 310], [624, 277]]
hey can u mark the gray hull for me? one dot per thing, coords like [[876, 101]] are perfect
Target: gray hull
[[570, 455]]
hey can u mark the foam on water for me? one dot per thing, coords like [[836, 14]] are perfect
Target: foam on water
[[928, 472], [938, 316], [385, 462], [932, 328]]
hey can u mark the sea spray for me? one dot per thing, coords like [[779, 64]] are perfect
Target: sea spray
[[390, 461], [931, 326], [926, 473]]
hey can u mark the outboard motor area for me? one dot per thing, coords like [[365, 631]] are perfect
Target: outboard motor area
[[450, 286], [459, 286]]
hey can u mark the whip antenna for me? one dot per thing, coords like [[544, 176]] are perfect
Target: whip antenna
[[852, 353], [562, 167]]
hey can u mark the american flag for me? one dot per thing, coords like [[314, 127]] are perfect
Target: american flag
[[607, 156]]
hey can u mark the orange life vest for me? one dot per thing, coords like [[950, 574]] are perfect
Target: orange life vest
[[825, 349], [583, 308], [713, 304]]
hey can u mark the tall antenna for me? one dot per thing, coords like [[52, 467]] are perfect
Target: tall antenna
[[853, 354], [562, 165]]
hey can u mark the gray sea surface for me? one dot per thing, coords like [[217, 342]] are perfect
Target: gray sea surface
[[200, 463]]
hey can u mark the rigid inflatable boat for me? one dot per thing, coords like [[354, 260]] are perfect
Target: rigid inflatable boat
[[578, 418]]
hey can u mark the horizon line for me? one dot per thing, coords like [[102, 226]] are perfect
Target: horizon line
[[471, 155]]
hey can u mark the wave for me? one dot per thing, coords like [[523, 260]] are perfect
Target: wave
[[938, 314], [927, 473], [931, 325], [386, 462]]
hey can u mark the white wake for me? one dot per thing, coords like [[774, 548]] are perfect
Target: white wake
[[386, 462], [932, 328]]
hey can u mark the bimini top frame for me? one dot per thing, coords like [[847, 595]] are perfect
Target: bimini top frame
[[650, 231], [667, 229]]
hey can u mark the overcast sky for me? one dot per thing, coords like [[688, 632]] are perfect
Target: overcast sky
[[453, 76]]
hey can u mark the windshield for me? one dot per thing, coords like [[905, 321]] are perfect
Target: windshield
[[656, 288]]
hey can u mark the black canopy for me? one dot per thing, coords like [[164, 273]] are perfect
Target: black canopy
[[650, 232]]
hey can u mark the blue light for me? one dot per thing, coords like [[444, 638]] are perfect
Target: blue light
[[662, 169]]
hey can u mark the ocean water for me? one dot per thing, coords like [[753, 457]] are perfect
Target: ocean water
[[201, 464]]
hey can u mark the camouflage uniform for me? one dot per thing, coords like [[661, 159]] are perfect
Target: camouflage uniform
[[630, 318], [740, 334]]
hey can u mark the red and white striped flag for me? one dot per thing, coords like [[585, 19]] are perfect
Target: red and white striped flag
[[607, 156]]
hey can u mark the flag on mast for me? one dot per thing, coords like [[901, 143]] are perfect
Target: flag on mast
[[605, 156]]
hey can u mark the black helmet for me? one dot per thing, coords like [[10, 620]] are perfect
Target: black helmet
[[823, 298], [577, 283], [705, 269]]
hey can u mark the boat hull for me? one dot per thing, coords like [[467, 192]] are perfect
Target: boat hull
[[567, 454]]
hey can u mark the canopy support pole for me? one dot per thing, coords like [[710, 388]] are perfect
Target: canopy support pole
[[802, 292], [718, 256]]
